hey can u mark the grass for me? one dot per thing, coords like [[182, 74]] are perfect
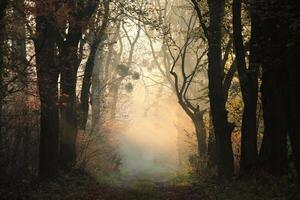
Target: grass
[[184, 185]]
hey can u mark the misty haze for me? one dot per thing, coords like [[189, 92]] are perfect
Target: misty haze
[[149, 99]]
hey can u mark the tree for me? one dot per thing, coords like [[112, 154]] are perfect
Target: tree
[[3, 6], [292, 62], [222, 128], [124, 70], [183, 81], [273, 154], [248, 77], [47, 74], [78, 15], [280, 66], [97, 44]]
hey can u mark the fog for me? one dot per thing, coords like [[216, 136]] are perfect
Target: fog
[[153, 136], [148, 144]]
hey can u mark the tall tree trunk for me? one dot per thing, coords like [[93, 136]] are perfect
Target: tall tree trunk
[[293, 90], [47, 74], [69, 62], [2, 95], [222, 128], [115, 96], [86, 85], [249, 88], [19, 44], [114, 87], [293, 103], [87, 80], [280, 85], [20, 62], [3, 5], [97, 92], [98, 44], [79, 15], [273, 154]]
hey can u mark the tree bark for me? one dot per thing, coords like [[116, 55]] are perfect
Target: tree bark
[[212, 154], [3, 5], [68, 120], [293, 90], [79, 15], [222, 128], [200, 133], [115, 96], [280, 85], [273, 153], [47, 74], [86, 85], [97, 92], [293, 103], [97, 44], [249, 89]]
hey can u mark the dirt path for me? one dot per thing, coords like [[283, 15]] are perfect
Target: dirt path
[[159, 192], [86, 188]]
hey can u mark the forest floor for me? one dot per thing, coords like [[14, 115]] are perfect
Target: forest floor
[[181, 187]]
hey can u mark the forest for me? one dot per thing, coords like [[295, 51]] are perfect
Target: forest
[[149, 99]]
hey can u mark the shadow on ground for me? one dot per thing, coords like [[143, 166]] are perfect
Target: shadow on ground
[[181, 187]]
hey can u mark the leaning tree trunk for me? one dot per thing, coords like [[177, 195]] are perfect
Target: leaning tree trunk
[[47, 74], [97, 46], [222, 128], [85, 89]]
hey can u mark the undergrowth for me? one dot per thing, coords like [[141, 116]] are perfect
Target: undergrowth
[[184, 185]]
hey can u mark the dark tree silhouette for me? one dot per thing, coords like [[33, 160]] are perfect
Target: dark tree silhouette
[[47, 74], [280, 66], [97, 44], [79, 15], [248, 77]]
